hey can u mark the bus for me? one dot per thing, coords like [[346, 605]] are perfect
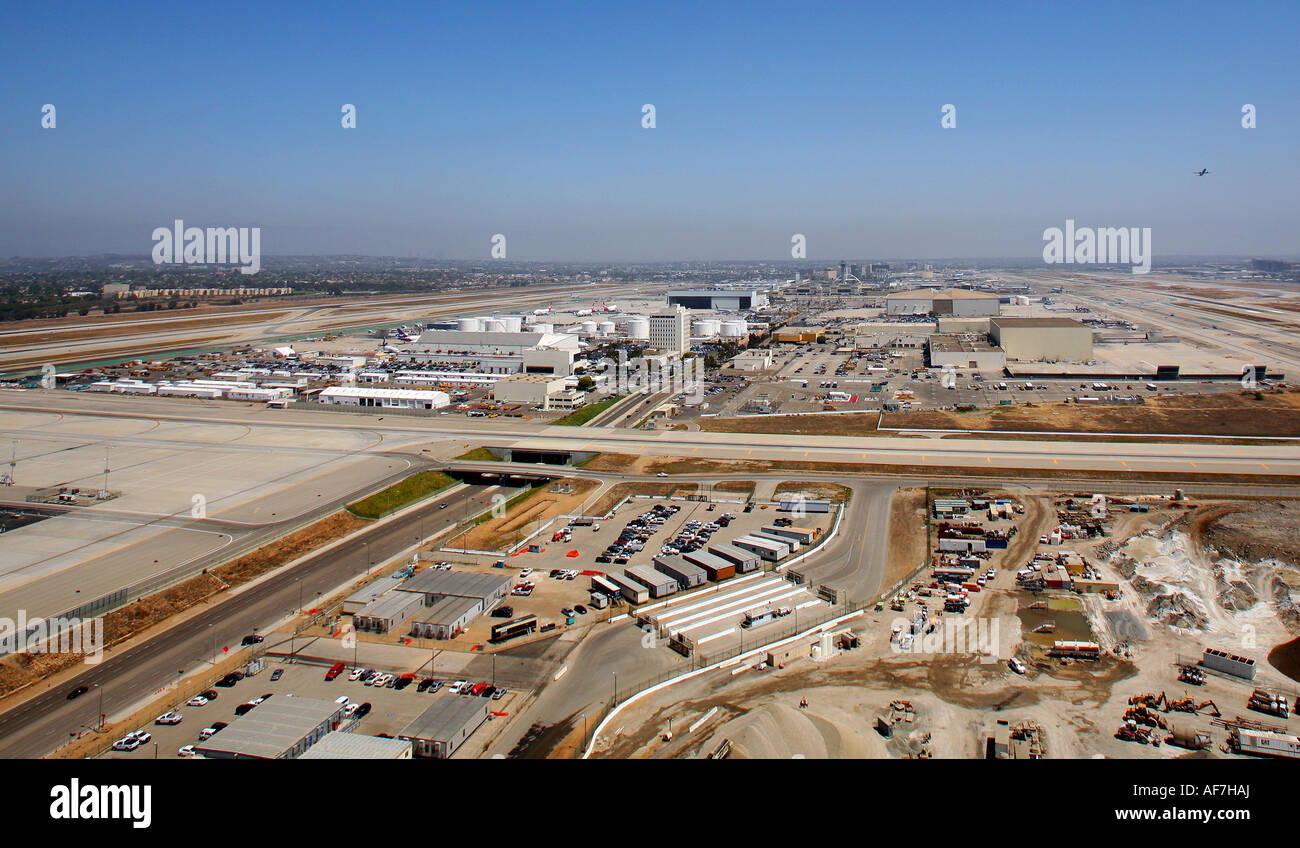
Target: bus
[[508, 630]]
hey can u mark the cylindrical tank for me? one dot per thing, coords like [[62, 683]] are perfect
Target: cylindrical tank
[[706, 328], [638, 327], [588, 328], [734, 329], [494, 325], [605, 328], [514, 323], [469, 325], [546, 329]]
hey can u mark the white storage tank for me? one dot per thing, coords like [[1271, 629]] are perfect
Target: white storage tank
[[588, 328], [638, 327], [605, 328], [706, 329], [494, 325], [514, 323], [469, 325], [734, 329]]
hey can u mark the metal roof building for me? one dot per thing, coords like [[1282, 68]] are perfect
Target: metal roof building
[[458, 584], [447, 618], [280, 728], [444, 727], [342, 745], [385, 398]]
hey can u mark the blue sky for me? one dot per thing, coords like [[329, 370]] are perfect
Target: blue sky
[[772, 119]]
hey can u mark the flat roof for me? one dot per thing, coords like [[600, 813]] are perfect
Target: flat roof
[[456, 583], [445, 718], [366, 594], [448, 611], [678, 563], [389, 604], [342, 745], [726, 551], [1037, 322], [272, 727], [963, 343], [395, 394], [944, 294]]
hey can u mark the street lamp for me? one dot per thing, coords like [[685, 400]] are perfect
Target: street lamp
[[615, 673], [101, 705]]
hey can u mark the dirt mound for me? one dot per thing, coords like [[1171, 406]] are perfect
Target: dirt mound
[[1256, 532]]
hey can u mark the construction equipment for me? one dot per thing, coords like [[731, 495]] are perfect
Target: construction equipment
[[1191, 674], [1189, 738], [1150, 699], [1273, 703], [1190, 705], [1143, 714], [1130, 732]]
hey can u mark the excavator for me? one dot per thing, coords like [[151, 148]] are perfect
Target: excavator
[[1145, 715], [1151, 700], [1190, 705]]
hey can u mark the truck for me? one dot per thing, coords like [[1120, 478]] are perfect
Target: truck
[[1273, 703]]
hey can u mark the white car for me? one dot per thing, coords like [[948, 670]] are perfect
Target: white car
[[169, 718], [341, 699], [351, 709], [1016, 665], [186, 751], [206, 733], [457, 686], [127, 743], [662, 474], [141, 736], [524, 572], [196, 701]]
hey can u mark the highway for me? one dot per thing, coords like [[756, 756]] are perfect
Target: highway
[[45, 722], [405, 432]]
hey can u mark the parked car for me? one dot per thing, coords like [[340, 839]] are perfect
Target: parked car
[[252, 639], [435, 686], [169, 718], [277, 674], [186, 751], [244, 709], [197, 701], [210, 694], [358, 673], [335, 671], [128, 743], [499, 693]]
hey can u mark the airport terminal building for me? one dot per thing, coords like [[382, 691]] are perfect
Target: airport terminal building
[[721, 300]]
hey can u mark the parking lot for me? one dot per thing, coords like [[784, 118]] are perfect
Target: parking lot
[[391, 708]]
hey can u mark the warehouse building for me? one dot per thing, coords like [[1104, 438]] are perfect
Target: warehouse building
[[798, 335], [803, 505], [966, 351], [745, 561], [793, 544], [384, 398], [759, 359], [280, 728], [687, 575], [387, 612], [721, 300], [434, 586], [530, 389], [659, 585], [343, 745], [447, 618], [956, 302], [442, 728], [357, 601], [494, 352], [1042, 339], [765, 548]]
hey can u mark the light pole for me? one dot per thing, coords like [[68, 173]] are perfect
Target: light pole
[[212, 645], [101, 705], [615, 673], [298, 580]]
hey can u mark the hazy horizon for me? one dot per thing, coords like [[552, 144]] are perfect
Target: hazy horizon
[[770, 121]]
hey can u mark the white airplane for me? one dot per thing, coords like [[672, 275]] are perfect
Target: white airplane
[[546, 311], [582, 313]]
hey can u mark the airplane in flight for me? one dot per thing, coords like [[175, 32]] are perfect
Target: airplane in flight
[[1202, 172]]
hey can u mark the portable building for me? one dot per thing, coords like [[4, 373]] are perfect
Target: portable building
[[803, 535], [687, 575], [631, 590], [744, 560], [765, 548], [792, 544], [715, 567], [659, 585]]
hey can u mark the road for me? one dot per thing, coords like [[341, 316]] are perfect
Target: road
[[406, 432], [45, 722]]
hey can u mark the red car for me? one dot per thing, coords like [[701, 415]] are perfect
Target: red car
[[335, 671], [478, 689]]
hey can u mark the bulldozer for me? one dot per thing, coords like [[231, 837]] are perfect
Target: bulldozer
[[1129, 731]]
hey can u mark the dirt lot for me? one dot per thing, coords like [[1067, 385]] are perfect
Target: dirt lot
[[908, 538], [1275, 413], [499, 533], [839, 424]]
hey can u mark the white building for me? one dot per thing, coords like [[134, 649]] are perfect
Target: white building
[[670, 332], [530, 389], [385, 398], [494, 352]]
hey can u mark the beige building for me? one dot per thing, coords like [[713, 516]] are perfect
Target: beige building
[[1042, 339], [530, 389]]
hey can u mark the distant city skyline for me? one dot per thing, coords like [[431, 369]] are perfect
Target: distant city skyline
[[770, 121]]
